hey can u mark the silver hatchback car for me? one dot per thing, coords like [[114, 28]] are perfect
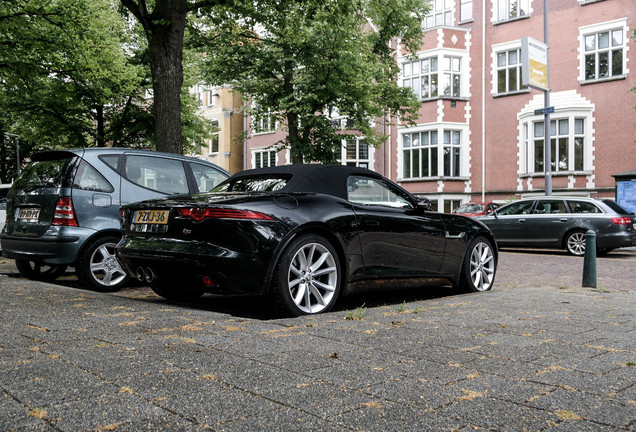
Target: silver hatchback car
[[562, 222], [63, 210]]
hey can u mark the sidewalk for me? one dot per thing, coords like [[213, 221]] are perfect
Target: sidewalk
[[537, 353]]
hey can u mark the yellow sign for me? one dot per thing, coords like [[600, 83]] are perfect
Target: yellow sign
[[534, 57]]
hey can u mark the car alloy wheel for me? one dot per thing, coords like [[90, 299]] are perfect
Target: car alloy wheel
[[575, 243], [479, 266], [39, 271], [309, 276], [99, 267]]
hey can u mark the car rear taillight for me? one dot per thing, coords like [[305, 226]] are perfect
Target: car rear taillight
[[198, 214], [622, 220], [64, 214]]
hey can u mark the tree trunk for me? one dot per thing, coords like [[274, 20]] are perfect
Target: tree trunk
[[165, 52]]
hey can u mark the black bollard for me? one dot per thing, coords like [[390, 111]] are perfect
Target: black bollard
[[589, 261]]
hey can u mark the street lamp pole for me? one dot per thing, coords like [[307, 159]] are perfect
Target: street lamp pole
[[547, 141]]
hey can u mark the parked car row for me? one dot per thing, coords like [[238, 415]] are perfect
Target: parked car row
[[301, 235]]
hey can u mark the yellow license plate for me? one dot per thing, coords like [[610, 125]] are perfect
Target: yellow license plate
[[151, 217], [29, 214]]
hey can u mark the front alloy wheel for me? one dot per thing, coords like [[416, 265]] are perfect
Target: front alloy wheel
[[479, 266], [309, 276], [575, 243]]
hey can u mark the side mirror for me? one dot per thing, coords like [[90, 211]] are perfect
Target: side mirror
[[424, 203]]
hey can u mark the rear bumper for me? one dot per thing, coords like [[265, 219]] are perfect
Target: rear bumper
[[616, 240], [58, 249]]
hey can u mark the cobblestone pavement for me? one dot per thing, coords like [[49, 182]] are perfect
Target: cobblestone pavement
[[538, 353]]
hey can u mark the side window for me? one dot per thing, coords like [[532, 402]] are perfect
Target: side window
[[206, 177], [160, 174], [371, 191], [111, 160], [583, 207], [549, 207], [518, 208], [88, 178]]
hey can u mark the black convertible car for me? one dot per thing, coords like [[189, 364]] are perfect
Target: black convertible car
[[302, 235]]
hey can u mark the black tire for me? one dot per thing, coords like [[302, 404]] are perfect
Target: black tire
[[98, 266], [479, 266], [575, 243], [308, 277], [39, 271], [175, 294]]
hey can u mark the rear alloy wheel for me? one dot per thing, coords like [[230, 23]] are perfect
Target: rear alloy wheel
[[39, 271], [309, 276], [98, 266], [480, 265], [575, 243]]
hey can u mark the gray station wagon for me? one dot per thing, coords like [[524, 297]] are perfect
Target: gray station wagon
[[63, 210], [561, 223]]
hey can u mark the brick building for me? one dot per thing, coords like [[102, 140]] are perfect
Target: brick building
[[478, 137]]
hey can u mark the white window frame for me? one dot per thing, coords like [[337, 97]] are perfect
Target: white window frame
[[216, 135], [501, 49], [269, 152], [498, 7], [435, 58], [596, 29], [434, 163], [442, 14], [357, 160]]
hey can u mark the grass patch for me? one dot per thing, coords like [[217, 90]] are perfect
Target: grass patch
[[357, 314]]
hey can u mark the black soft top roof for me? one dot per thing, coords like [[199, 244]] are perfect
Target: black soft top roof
[[317, 178]]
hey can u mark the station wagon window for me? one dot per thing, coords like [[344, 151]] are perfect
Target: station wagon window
[[375, 192], [549, 207], [583, 207], [88, 178], [160, 174], [518, 208], [206, 176]]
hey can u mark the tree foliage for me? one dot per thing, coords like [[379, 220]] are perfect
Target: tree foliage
[[306, 61]]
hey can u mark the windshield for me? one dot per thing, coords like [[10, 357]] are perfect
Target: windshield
[[256, 183], [46, 173], [470, 208]]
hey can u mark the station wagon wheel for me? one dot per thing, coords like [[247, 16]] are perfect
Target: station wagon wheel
[[480, 265], [39, 271], [98, 266], [309, 276], [575, 243]]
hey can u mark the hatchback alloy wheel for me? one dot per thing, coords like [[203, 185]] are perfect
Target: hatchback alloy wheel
[[99, 267]]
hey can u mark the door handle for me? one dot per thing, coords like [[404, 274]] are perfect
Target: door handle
[[521, 220], [563, 219], [372, 222]]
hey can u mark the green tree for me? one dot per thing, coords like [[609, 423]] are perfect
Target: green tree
[[164, 25], [70, 76], [305, 61]]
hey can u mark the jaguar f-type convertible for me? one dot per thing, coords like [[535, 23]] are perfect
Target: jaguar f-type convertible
[[302, 235]]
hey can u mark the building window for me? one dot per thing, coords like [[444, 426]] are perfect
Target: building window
[[511, 9], [264, 158], [509, 71], [213, 144], [421, 76], [441, 13], [356, 153], [451, 204], [604, 54], [264, 121], [210, 98], [567, 145], [420, 154], [466, 10], [452, 76], [452, 150]]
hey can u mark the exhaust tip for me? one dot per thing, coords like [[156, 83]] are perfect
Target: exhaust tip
[[149, 275], [139, 274]]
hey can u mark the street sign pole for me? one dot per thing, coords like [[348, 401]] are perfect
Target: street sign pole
[[547, 159]]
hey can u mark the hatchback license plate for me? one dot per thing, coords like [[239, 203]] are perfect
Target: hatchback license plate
[[151, 217], [29, 214]]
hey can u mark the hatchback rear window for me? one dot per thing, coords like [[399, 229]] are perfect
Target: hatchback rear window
[[46, 173]]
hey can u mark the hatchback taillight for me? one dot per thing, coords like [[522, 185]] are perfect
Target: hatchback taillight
[[64, 214], [621, 220]]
